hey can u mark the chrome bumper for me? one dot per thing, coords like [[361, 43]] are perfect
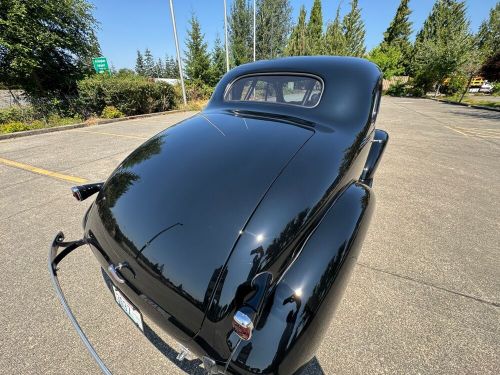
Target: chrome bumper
[[54, 259]]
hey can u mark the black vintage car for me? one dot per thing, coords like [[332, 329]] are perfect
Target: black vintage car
[[235, 230]]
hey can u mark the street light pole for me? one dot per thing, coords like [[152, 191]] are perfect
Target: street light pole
[[225, 37], [178, 53], [254, 37]]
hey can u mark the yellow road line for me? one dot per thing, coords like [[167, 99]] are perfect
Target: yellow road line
[[41, 171], [455, 130], [485, 129], [487, 136], [479, 130], [112, 134]]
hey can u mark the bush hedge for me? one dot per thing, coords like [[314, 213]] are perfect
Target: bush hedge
[[129, 94], [17, 114], [12, 126], [111, 112]]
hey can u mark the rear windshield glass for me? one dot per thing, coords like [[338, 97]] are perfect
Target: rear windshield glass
[[298, 90]]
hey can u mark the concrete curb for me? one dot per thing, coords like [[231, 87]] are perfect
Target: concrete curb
[[83, 124], [466, 105]]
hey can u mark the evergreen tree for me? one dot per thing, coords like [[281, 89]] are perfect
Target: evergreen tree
[[197, 59], [174, 68], [488, 36], [218, 67], [335, 43], [354, 31], [297, 43], [315, 40], [399, 30], [273, 25], [443, 45], [398, 34], [170, 67], [149, 63], [159, 69], [139, 63], [240, 32]]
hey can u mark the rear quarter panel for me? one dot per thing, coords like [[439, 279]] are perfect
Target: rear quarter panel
[[302, 304]]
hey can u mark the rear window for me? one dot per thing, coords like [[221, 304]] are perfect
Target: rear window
[[298, 90]]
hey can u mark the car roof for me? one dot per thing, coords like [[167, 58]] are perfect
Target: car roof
[[350, 85]]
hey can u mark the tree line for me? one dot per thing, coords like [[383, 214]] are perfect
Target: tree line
[[444, 48], [146, 65], [46, 46]]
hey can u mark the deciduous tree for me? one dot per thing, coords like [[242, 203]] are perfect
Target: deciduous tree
[[443, 45], [46, 45], [388, 59]]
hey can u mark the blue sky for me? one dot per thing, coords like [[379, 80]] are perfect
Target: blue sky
[[127, 25]]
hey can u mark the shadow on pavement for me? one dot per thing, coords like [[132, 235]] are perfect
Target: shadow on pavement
[[477, 113]]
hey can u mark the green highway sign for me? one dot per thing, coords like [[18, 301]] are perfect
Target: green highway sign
[[100, 64]]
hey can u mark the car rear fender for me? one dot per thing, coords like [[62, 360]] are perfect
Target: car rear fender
[[299, 309], [377, 149]]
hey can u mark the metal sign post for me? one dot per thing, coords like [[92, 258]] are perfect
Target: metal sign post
[[178, 53], [225, 34], [254, 36]]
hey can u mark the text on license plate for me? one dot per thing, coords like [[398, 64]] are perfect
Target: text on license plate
[[129, 309]]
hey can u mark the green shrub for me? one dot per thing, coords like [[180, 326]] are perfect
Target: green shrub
[[111, 112], [14, 126], [17, 114], [455, 85], [198, 91], [129, 94], [56, 120], [415, 91], [50, 121], [396, 89], [496, 88]]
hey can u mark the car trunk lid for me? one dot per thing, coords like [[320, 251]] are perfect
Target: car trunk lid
[[175, 207]]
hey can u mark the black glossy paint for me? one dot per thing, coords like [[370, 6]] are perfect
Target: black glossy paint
[[376, 151], [182, 198], [243, 188]]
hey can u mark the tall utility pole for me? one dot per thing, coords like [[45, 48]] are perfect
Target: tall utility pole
[[254, 37], [225, 36], [179, 61]]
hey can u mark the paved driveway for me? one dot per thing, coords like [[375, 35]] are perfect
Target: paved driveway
[[424, 297]]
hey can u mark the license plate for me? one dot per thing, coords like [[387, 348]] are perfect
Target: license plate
[[128, 308]]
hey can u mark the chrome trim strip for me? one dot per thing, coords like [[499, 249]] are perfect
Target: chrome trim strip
[[70, 246]]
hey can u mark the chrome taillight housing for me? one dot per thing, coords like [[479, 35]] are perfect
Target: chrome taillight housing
[[242, 325]]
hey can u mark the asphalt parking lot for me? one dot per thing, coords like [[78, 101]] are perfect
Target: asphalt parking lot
[[424, 297]]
